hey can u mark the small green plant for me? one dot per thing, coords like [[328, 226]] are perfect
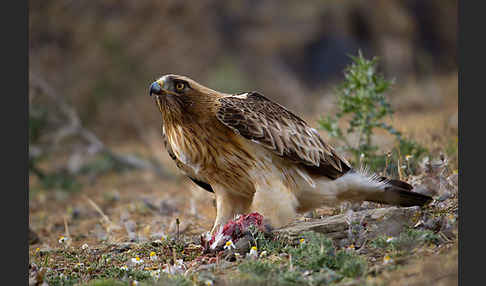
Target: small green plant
[[313, 260], [407, 240], [361, 97]]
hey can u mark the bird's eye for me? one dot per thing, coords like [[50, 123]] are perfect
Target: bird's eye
[[179, 86]]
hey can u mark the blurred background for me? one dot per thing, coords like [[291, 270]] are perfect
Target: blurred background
[[91, 63]]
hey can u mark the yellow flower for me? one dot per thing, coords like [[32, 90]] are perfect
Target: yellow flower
[[408, 157], [455, 172], [152, 253], [302, 241], [37, 249], [387, 259]]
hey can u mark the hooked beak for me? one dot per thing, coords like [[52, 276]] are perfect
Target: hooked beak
[[155, 89]]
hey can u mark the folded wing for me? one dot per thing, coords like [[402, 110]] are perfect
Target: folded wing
[[265, 122]]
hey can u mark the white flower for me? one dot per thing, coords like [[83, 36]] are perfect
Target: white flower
[[124, 268], [136, 260], [229, 244], [263, 253], [84, 246], [153, 256], [63, 239], [387, 259], [253, 252]]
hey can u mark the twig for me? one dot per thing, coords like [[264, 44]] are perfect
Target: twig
[[97, 208], [66, 228]]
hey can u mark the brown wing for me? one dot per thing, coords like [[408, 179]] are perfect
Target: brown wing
[[267, 123], [183, 168]]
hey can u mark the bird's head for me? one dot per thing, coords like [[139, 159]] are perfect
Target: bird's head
[[177, 95]]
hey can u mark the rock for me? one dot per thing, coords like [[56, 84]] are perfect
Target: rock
[[383, 221]]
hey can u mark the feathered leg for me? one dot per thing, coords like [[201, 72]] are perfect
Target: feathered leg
[[275, 202], [228, 205]]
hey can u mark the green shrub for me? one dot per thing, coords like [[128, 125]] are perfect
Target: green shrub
[[362, 98]]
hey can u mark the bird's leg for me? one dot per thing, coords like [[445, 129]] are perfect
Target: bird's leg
[[228, 205], [275, 202]]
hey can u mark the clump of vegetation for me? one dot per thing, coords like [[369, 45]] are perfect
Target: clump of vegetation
[[313, 261], [408, 240], [362, 98]]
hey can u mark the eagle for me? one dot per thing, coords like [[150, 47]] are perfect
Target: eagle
[[257, 156]]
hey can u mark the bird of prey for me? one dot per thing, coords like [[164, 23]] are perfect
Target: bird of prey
[[257, 156]]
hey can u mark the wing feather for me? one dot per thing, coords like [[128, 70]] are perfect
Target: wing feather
[[265, 122]]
